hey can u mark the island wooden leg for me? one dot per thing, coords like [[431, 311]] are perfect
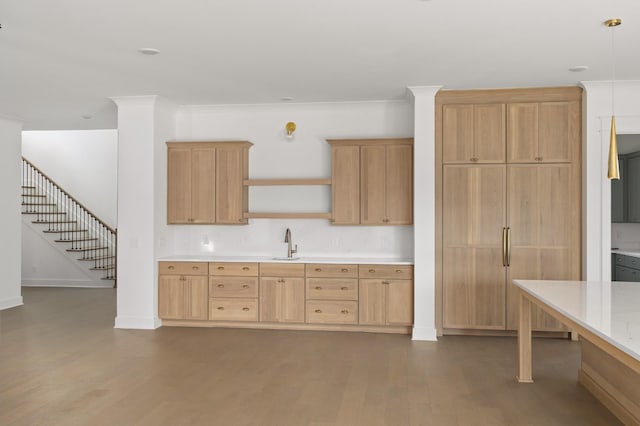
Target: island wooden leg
[[524, 339]]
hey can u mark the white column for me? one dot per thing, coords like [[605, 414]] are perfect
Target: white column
[[141, 129], [10, 216], [424, 327]]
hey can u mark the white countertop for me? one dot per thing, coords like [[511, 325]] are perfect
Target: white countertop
[[272, 259], [627, 252], [611, 310]]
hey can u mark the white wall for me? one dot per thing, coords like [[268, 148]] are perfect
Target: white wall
[[596, 235], [10, 250], [307, 156], [82, 162]]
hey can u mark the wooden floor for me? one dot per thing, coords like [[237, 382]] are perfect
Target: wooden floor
[[63, 363]]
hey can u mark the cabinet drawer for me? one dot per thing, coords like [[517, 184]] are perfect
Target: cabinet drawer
[[338, 312], [281, 270], [182, 268], [331, 270], [332, 288], [628, 261], [386, 271], [233, 269], [233, 286], [233, 309]]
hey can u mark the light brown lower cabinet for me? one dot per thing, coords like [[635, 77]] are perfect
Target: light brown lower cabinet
[[350, 297], [183, 297]]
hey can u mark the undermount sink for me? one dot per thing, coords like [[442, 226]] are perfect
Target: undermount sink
[[286, 258]]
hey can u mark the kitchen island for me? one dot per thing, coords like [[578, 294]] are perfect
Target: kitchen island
[[607, 317]]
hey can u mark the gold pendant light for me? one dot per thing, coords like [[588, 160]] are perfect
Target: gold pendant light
[[613, 171]]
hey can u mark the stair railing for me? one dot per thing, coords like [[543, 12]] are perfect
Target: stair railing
[[70, 219]]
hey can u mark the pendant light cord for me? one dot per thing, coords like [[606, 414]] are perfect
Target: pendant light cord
[[613, 70]]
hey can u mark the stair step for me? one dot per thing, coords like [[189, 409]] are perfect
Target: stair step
[[92, 259], [34, 195], [49, 213], [87, 249], [28, 186], [103, 268], [60, 231], [52, 222], [75, 241], [108, 278]]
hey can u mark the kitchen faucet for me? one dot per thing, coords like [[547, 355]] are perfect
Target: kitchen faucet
[[287, 239]]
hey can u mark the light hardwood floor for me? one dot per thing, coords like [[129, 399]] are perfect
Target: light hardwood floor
[[63, 363]]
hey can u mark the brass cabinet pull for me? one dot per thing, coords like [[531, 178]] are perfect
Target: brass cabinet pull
[[385, 282], [344, 288], [245, 286], [385, 220], [221, 308], [318, 311], [504, 246], [220, 285], [172, 267], [318, 287], [344, 270], [399, 271], [344, 311], [220, 268], [372, 270], [318, 269], [195, 268], [245, 309], [508, 246], [245, 268]]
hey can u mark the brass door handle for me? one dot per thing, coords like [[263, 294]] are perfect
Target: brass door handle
[[318, 311], [220, 285], [245, 286], [245, 309], [245, 268], [344, 270], [221, 308], [504, 246], [508, 246], [318, 288], [372, 270], [220, 268], [318, 269]]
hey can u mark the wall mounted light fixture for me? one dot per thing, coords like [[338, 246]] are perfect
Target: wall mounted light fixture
[[290, 129], [613, 170]]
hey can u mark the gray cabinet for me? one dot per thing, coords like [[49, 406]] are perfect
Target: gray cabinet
[[626, 268], [625, 192], [618, 199], [633, 189]]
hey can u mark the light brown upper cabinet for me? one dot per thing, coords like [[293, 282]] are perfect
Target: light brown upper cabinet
[[473, 133], [372, 182], [504, 218], [205, 182], [542, 131]]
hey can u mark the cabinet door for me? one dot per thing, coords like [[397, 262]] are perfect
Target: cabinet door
[[474, 215], [203, 167], [633, 189], [293, 302], [196, 298], [231, 194], [371, 304], [545, 224], [558, 131], [345, 185], [178, 185], [399, 187], [399, 302], [618, 196], [489, 133], [522, 133], [372, 184], [270, 299], [282, 299], [171, 297], [457, 134]]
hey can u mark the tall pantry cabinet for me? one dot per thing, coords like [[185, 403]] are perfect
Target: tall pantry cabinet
[[508, 201]]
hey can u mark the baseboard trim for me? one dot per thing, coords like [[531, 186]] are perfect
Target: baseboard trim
[[136, 323], [72, 283], [425, 334], [11, 302]]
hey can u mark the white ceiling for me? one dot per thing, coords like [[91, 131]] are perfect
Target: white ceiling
[[63, 59]]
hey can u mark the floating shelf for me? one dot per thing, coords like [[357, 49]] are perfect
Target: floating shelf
[[278, 182], [256, 215]]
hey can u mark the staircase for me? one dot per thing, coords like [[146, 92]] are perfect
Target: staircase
[[80, 231]]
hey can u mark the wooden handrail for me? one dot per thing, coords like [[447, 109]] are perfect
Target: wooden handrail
[[70, 196]]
